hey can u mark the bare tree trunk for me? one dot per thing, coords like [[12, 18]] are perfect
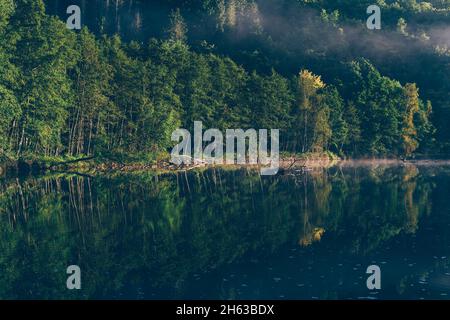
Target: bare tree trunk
[[88, 151], [305, 133], [19, 150]]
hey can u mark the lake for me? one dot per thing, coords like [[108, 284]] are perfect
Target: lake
[[228, 234]]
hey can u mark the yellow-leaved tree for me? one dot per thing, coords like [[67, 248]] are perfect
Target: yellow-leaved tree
[[308, 102]]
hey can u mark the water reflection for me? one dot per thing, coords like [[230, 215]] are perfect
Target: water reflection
[[228, 234]]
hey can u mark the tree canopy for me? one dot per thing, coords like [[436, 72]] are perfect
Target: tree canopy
[[89, 93]]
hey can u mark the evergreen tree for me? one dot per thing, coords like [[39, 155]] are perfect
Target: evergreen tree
[[93, 108], [339, 127], [9, 107], [43, 52]]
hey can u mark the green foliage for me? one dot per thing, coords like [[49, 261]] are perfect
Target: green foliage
[[385, 111], [67, 93]]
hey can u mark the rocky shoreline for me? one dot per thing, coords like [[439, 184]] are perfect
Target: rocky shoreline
[[25, 167], [291, 163]]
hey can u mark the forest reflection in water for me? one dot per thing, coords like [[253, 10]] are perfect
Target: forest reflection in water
[[222, 234]]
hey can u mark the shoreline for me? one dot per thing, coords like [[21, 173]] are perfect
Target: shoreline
[[286, 164], [92, 165]]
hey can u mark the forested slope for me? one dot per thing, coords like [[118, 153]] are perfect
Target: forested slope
[[138, 70]]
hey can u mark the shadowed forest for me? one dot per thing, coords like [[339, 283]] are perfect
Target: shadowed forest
[[137, 71]]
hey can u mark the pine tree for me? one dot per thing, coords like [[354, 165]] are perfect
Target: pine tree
[[92, 107], [352, 118], [43, 53], [271, 101], [9, 108], [338, 125]]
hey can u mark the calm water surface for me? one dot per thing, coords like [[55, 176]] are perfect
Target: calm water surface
[[228, 234]]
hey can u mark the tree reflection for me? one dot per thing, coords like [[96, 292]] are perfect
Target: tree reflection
[[132, 234]]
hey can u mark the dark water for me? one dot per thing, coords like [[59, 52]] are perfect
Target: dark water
[[228, 235]]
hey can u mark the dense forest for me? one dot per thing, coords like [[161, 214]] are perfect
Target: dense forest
[[139, 70]]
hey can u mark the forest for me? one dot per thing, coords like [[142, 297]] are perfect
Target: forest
[[136, 71]]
